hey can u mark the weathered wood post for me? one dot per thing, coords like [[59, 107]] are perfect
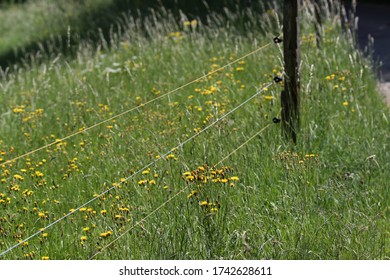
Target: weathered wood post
[[291, 51], [318, 26]]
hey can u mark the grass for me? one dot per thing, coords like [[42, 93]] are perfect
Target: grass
[[325, 198], [33, 22]]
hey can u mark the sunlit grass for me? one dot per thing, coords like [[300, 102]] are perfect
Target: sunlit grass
[[325, 198]]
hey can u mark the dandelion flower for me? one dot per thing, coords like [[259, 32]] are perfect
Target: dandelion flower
[[203, 203], [142, 182], [145, 172], [171, 156], [18, 177], [190, 178], [194, 23], [193, 193], [106, 234], [268, 97]]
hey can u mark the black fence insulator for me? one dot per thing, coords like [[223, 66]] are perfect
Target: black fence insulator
[[278, 79], [277, 40], [276, 120]]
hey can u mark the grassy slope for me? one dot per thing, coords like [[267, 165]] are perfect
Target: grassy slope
[[37, 20], [325, 198]]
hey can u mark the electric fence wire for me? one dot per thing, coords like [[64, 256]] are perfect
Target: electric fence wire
[[135, 108], [140, 170], [175, 195]]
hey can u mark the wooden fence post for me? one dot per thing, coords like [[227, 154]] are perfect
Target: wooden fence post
[[291, 51], [318, 25]]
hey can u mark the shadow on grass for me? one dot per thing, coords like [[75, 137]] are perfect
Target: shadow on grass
[[100, 23], [7, 2]]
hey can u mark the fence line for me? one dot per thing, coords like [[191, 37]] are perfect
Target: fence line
[[243, 144], [137, 107], [142, 169], [176, 194]]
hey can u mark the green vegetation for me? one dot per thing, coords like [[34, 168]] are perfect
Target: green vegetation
[[325, 198], [33, 24]]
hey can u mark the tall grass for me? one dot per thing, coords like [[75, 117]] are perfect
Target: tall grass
[[325, 198], [39, 24]]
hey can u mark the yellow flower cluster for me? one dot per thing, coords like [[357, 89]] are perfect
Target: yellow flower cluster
[[28, 115], [341, 84], [204, 174], [292, 160], [190, 24], [203, 177], [106, 234]]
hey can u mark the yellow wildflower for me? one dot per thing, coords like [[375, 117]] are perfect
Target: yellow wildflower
[[106, 234], [268, 97], [18, 177], [190, 178], [193, 193], [142, 182]]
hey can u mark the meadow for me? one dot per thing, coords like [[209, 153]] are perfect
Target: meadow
[[162, 142]]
